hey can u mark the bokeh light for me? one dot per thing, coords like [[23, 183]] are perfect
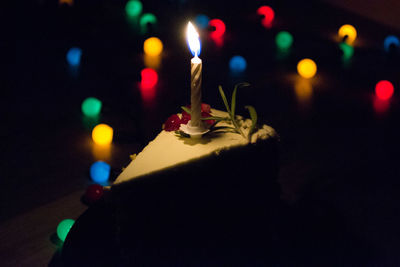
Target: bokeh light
[[347, 33], [237, 64], [66, 2], [148, 95], [219, 27], [390, 41], [307, 68], [91, 107], [133, 8], [284, 40], [380, 106], [268, 15], [93, 193], [384, 90], [153, 46], [146, 19], [63, 228], [347, 51], [102, 134], [100, 171], [149, 78], [153, 62], [202, 21], [74, 56], [303, 90]]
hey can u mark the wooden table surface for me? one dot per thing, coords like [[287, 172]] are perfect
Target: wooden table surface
[[30, 238]]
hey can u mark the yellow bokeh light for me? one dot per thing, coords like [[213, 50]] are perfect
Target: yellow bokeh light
[[307, 68], [349, 32], [153, 46], [152, 62], [303, 90], [102, 134]]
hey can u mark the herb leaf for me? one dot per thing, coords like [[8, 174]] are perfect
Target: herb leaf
[[224, 127], [253, 116], [186, 109], [212, 118], [182, 134], [224, 99], [233, 102]]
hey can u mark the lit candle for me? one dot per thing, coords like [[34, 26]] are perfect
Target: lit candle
[[195, 75], [195, 128]]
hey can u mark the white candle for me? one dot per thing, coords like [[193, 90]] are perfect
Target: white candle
[[195, 128], [195, 81], [195, 89]]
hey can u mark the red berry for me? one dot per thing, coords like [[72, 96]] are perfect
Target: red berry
[[185, 117], [205, 112], [205, 107], [173, 123], [205, 115], [93, 193]]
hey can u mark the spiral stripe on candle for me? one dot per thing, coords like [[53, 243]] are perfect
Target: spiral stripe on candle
[[196, 94], [196, 74]]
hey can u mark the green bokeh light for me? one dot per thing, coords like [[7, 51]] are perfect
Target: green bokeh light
[[91, 106], [63, 228], [133, 8], [284, 40], [347, 50], [145, 19]]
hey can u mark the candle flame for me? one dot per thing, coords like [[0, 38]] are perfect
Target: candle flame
[[193, 40]]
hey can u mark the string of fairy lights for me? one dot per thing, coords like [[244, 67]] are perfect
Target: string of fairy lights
[[102, 134]]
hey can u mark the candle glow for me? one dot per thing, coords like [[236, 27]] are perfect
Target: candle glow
[[193, 40]]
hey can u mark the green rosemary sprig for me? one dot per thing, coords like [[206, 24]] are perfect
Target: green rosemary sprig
[[231, 112], [232, 108], [253, 116]]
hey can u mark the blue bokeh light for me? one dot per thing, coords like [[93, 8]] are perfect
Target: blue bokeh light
[[390, 40], [201, 21], [74, 56], [237, 64], [100, 171]]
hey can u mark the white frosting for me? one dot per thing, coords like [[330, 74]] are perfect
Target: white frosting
[[167, 149]]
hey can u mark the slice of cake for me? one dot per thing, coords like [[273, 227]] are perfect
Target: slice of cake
[[169, 151], [190, 195]]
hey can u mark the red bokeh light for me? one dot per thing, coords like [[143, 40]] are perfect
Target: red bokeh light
[[268, 14], [380, 106], [384, 90], [149, 78], [219, 26], [93, 193]]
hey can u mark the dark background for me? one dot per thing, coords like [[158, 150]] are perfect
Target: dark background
[[339, 145]]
